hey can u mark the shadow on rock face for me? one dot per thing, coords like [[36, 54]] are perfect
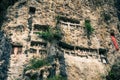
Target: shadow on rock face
[[114, 74], [117, 5], [4, 4]]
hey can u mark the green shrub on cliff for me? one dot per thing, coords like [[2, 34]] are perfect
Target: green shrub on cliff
[[51, 34], [114, 74], [36, 63], [88, 27], [47, 35]]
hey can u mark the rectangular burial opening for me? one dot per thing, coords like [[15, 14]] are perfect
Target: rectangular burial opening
[[71, 25], [17, 49], [112, 33], [78, 26], [103, 55], [32, 10], [20, 28], [103, 51], [42, 52], [65, 19], [86, 49], [67, 52], [38, 27], [38, 43], [65, 46], [32, 50]]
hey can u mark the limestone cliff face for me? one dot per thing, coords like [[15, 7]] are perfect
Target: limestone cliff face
[[102, 16], [84, 58]]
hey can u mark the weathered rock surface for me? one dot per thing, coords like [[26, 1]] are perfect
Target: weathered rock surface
[[5, 49], [85, 69], [81, 58]]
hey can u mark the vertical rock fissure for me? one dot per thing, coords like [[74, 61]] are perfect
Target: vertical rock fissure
[[5, 49]]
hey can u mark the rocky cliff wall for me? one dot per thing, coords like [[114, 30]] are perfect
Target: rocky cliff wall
[[103, 18], [78, 49]]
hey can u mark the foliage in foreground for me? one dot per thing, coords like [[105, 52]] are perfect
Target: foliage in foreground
[[51, 34], [114, 74], [88, 27], [36, 63]]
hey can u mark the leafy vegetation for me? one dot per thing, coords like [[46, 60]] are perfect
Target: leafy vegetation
[[65, 19], [114, 74], [57, 77], [57, 34], [36, 63], [51, 34], [88, 27]]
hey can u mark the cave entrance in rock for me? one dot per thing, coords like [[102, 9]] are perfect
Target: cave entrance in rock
[[16, 49], [38, 27], [103, 55], [32, 10], [112, 33], [32, 50], [38, 44], [42, 52]]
